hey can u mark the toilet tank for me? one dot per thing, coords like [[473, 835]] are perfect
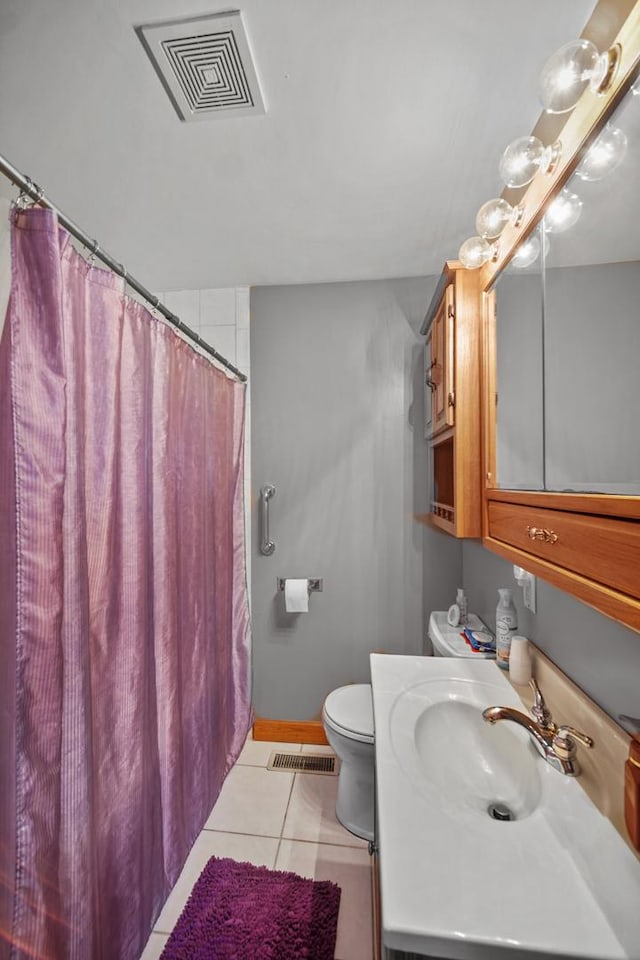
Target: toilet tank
[[446, 640]]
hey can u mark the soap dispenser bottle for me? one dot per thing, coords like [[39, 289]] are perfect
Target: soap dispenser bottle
[[506, 626]]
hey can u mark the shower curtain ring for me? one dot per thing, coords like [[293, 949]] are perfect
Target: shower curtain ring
[[124, 275], [92, 255], [25, 200]]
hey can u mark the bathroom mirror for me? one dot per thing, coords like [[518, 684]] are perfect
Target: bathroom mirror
[[561, 447], [568, 332], [518, 398]]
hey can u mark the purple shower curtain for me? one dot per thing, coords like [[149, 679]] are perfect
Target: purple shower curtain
[[123, 607]]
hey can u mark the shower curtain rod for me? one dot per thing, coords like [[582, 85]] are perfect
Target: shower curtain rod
[[27, 186]]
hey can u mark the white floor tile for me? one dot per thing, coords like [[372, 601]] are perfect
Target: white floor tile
[[317, 748], [155, 945], [312, 812], [256, 753], [258, 850], [351, 870], [253, 800]]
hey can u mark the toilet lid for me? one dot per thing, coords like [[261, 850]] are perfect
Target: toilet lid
[[352, 709]]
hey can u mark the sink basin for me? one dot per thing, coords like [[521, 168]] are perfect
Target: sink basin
[[454, 758], [555, 880]]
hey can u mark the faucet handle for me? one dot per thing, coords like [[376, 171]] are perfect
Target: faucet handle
[[564, 741], [539, 711]]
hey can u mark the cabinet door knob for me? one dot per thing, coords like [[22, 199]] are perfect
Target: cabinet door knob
[[542, 533], [451, 400]]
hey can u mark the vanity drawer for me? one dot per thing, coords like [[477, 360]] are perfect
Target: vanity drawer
[[581, 542]]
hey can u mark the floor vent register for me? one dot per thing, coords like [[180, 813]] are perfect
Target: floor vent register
[[303, 763]]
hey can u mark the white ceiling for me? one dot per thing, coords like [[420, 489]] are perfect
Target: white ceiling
[[385, 122]]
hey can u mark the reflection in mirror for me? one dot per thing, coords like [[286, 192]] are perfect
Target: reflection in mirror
[[568, 330], [592, 321], [519, 399]]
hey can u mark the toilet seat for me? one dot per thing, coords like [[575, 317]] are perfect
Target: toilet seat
[[349, 711]]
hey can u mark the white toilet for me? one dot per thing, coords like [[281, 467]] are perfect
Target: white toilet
[[347, 717]]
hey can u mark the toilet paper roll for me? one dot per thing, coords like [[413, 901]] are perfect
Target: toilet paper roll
[[296, 596]]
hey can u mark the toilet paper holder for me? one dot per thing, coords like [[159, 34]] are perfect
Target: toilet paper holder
[[314, 584]]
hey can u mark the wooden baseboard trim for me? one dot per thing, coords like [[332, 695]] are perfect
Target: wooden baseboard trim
[[289, 731]]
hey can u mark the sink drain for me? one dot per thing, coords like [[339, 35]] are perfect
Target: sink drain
[[500, 811]]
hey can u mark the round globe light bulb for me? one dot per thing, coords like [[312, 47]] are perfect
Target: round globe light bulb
[[527, 253], [494, 215], [475, 252], [523, 158], [604, 155], [568, 72], [563, 212]]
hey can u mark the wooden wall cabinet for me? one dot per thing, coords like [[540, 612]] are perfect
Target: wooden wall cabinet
[[453, 326], [587, 545]]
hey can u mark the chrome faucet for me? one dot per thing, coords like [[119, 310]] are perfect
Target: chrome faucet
[[557, 744]]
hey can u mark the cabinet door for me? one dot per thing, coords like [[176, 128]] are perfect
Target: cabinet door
[[442, 370], [428, 387]]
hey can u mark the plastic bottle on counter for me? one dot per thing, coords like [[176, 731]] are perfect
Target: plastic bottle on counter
[[463, 606], [506, 626], [520, 661]]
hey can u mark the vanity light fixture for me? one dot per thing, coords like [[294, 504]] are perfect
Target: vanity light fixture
[[494, 215], [476, 251], [571, 69], [604, 154], [524, 157], [563, 212], [529, 251], [564, 78]]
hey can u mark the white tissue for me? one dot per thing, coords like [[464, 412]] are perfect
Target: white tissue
[[296, 596]]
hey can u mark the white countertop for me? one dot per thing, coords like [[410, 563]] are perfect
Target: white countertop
[[455, 883]]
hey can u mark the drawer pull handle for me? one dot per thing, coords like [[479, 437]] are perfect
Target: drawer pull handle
[[541, 533]]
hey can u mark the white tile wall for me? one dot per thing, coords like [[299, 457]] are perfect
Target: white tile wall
[[221, 317], [186, 305], [218, 306]]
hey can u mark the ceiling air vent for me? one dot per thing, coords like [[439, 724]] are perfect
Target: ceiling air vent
[[205, 65]]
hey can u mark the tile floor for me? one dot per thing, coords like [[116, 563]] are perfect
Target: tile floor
[[285, 821]]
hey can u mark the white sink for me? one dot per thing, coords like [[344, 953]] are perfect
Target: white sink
[[555, 880], [454, 758]]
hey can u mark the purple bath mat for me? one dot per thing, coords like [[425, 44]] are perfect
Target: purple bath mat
[[237, 911]]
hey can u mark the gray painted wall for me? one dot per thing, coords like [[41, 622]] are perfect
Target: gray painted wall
[[592, 387], [601, 656], [337, 399], [337, 425]]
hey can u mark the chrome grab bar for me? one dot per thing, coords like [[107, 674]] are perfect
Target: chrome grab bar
[[267, 547]]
